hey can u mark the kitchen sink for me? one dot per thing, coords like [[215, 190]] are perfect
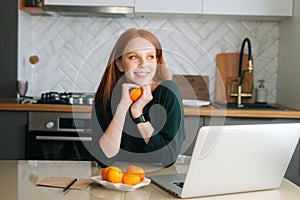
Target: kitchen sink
[[255, 106]]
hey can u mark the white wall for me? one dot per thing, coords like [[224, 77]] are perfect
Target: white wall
[[288, 86]]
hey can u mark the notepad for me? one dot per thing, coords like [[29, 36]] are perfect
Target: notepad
[[62, 182]]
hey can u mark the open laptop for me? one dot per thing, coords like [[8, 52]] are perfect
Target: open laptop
[[236, 158]]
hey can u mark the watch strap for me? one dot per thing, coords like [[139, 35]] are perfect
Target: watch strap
[[140, 119]]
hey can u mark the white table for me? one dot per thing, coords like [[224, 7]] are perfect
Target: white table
[[18, 179]]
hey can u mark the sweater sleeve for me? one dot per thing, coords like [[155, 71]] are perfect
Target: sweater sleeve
[[168, 122], [99, 125]]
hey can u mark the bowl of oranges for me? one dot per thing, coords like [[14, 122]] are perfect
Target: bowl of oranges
[[113, 177]]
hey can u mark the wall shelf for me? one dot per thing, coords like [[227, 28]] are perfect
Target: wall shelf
[[32, 8]]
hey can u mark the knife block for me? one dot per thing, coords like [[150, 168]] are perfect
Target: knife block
[[227, 70]]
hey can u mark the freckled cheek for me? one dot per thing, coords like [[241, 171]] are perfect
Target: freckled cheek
[[131, 66], [153, 66]]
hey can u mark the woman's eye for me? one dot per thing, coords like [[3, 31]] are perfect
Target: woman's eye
[[132, 57], [151, 57]]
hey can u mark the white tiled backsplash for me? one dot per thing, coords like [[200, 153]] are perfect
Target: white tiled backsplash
[[73, 51]]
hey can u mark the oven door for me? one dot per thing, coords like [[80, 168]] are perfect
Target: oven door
[[46, 145], [59, 136]]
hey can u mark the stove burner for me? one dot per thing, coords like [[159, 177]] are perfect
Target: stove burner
[[66, 98]]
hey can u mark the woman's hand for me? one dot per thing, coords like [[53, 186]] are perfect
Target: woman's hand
[[125, 98], [137, 107]]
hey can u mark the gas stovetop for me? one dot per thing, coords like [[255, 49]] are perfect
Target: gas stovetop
[[69, 98]]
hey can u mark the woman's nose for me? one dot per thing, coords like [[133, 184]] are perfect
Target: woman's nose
[[142, 62]]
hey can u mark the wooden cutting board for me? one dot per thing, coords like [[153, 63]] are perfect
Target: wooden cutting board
[[194, 87], [227, 78]]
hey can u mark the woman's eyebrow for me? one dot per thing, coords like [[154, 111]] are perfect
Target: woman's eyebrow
[[136, 52]]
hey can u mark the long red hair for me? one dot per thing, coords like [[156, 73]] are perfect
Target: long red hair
[[112, 74]]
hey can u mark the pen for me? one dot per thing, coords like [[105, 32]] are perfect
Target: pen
[[70, 184]]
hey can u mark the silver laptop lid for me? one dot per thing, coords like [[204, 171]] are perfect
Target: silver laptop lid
[[238, 158]]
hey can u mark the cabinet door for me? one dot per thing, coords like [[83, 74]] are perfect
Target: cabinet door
[[219, 121], [192, 126], [251, 8], [13, 133], [169, 6]]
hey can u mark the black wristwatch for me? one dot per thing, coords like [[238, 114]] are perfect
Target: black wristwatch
[[140, 119]]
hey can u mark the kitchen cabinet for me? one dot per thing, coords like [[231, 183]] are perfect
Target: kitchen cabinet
[[245, 120], [192, 126], [8, 49], [169, 6], [13, 132], [248, 8]]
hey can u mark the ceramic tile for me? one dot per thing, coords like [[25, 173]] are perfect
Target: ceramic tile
[[73, 51]]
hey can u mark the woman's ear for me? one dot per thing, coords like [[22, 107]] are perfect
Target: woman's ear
[[119, 65]]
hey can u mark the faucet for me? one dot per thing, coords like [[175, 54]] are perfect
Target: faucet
[[242, 72]]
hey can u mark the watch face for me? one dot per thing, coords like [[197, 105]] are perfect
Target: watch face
[[140, 119]]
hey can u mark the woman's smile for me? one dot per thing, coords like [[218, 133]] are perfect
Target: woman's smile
[[141, 74]]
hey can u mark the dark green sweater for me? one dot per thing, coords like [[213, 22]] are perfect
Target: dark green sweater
[[165, 113]]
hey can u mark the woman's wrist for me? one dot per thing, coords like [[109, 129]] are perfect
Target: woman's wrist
[[140, 119], [135, 113], [146, 130], [123, 105]]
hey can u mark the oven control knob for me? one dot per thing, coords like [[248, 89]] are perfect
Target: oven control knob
[[50, 125]]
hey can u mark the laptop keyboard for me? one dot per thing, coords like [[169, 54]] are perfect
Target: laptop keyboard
[[179, 184]]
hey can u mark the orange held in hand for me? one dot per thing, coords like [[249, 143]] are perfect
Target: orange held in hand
[[136, 93], [112, 174]]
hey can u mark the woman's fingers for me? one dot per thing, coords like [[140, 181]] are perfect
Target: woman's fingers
[[126, 88], [147, 93]]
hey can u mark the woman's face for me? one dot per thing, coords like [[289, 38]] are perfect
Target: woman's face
[[138, 61]]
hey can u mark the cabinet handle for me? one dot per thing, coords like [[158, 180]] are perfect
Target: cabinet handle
[[59, 138]]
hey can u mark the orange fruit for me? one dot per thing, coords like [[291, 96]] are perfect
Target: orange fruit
[[114, 175], [136, 170], [131, 179], [104, 173], [136, 93]]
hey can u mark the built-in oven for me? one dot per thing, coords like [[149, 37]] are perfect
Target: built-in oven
[[59, 136]]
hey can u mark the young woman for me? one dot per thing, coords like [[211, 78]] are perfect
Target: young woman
[[150, 129]]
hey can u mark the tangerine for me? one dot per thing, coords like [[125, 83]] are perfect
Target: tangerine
[[136, 170], [131, 179], [114, 175], [136, 93], [104, 173]]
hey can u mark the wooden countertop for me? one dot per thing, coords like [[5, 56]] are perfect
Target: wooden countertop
[[13, 105]]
